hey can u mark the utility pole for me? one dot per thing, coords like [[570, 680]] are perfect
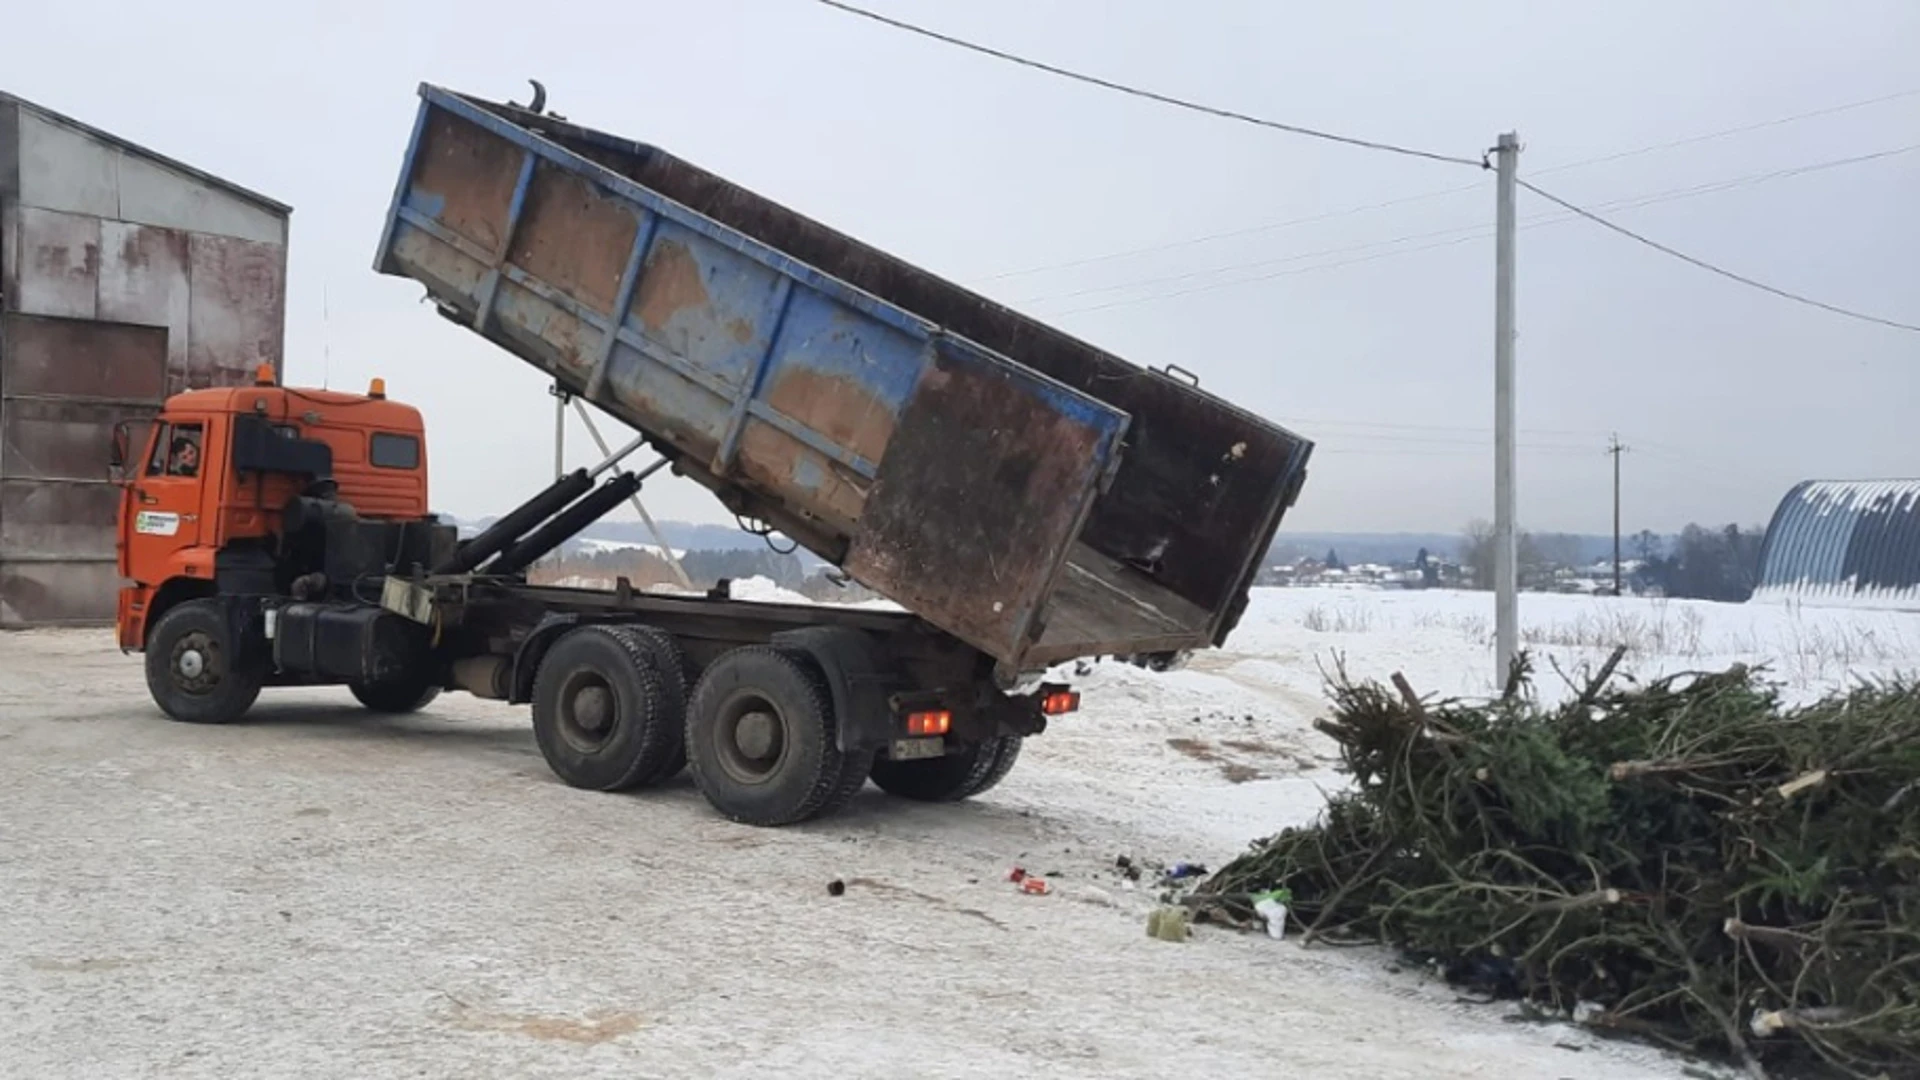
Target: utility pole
[[1615, 450], [1506, 547]]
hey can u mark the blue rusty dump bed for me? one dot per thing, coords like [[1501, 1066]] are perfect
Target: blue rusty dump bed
[[1035, 497]]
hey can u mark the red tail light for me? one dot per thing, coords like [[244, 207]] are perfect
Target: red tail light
[[929, 722], [1060, 702]]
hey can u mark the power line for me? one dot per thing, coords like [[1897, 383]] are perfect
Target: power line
[[1368, 144], [1626, 203], [1712, 269], [1465, 233], [1464, 429], [1274, 226], [1477, 230], [1150, 95], [1483, 442], [1473, 453], [1269, 277], [1725, 132], [1271, 226]]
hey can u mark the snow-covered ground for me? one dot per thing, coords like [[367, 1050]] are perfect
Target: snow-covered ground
[[1247, 708], [1442, 639], [419, 896]]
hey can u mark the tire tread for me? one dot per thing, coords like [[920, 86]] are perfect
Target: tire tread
[[651, 743], [832, 775]]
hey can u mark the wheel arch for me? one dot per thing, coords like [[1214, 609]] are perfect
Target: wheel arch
[[533, 648], [860, 680], [171, 594]]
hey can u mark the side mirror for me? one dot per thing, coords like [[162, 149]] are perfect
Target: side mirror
[[117, 460], [122, 448]]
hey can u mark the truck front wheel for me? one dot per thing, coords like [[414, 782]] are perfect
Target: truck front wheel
[[951, 778], [196, 672], [600, 714], [762, 741]]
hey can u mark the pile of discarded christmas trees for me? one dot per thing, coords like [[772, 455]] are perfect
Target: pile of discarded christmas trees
[[1690, 861]]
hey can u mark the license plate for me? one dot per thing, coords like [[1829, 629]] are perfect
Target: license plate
[[916, 749]]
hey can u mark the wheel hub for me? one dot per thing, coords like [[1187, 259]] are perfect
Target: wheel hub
[[196, 663], [752, 739], [589, 712], [757, 735], [593, 708]]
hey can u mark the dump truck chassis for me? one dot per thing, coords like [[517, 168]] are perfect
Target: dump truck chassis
[[783, 712]]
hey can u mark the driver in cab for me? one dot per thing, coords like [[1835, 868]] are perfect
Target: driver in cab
[[184, 458]]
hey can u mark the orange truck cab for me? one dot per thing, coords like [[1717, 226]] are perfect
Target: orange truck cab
[[235, 493]]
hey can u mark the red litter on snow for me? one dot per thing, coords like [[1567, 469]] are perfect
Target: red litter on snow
[[1030, 884]]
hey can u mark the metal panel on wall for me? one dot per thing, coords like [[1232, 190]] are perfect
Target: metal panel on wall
[[58, 261], [237, 311], [143, 279], [64, 384]]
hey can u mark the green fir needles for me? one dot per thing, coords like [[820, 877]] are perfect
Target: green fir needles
[[1690, 862]]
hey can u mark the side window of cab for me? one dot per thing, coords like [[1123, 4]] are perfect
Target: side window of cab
[[176, 450], [390, 450]]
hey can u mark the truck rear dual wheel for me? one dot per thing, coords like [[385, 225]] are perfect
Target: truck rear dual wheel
[[762, 739], [605, 711], [951, 778], [670, 663], [196, 672]]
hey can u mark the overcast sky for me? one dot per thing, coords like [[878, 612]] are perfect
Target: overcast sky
[[1369, 332]]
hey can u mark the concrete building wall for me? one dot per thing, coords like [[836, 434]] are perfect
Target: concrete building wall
[[124, 277]]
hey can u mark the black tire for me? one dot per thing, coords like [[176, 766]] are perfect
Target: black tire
[[195, 671], [855, 769], [762, 742], [670, 663], [951, 778], [409, 693], [599, 710]]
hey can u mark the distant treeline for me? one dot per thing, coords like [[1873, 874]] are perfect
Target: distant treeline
[[1701, 563]]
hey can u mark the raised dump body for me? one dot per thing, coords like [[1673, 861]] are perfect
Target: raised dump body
[[1022, 490]]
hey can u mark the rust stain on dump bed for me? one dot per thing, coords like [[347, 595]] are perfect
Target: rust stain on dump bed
[[575, 238], [671, 283], [472, 173], [772, 460], [837, 407]]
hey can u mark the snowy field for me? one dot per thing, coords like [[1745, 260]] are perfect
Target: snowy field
[[1269, 679], [1443, 640], [318, 892]]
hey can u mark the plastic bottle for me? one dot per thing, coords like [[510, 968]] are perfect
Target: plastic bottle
[[1272, 906]]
